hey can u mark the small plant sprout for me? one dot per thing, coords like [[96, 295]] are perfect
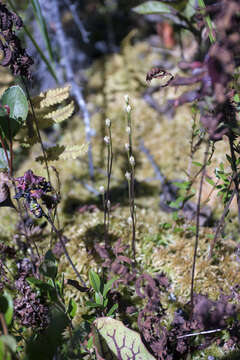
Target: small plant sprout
[[130, 174], [101, 296]]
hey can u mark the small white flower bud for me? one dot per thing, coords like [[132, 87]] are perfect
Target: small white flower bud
[[132, 160], [106, 139], [101, 189], [127, 147], [128, 108], [108, 204], [108, 122], [126, 97], [129, 220], [128, 129], [128, 175]]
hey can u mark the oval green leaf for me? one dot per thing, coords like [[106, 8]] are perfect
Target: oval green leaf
[[94, 280], [9, 313], [15, 98]]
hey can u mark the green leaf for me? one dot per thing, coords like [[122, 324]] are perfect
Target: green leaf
[[44, 287], [236, 98], [190, 9], [4, 352], [90, 343], [210, 181], [111, 337], [98, 298], [208, 20], [112, 310], [197, 163], [10, 342], [153, 7], [92, 304], [229, 159], [72, 308], [108, 285], [3, 160], [182, 185], [175, 216], [95, 281], [49, 266], [43, 346], [9, 313], [15, 98]]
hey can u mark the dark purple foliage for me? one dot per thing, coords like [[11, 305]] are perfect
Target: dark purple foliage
[[29, 308], [33, 188], [216, 71], [12, 54]]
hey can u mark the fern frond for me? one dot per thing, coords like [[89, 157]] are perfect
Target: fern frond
[[54, 96], [72, 152], [61, 114], [52, 153]]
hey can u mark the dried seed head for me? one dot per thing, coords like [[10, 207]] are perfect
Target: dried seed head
[[128, 109], [106, 140], [101, 189], [128, 175], [129, 220], [108, 122], [127, 147], [132, 160]]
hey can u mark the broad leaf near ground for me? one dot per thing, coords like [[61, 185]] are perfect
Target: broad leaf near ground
[[114, 341]]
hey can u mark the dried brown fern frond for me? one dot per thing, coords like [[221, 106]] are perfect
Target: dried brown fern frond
[[74, 151], [53, 97], [50, 107], [60, 153], [61, 114]]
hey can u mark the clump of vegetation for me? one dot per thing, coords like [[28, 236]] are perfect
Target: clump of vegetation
[[132, 253]]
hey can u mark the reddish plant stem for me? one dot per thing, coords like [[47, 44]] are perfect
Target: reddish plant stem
[[10, 141], [5, 151]]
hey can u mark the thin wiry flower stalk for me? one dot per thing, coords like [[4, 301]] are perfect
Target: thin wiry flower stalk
[[131, 175], [60, 237], [197, 224], [106, 197]]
